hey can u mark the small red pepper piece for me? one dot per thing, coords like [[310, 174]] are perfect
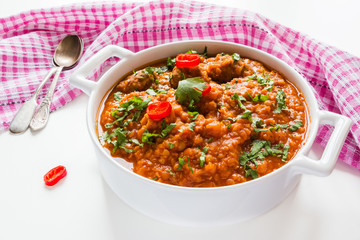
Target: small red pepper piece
[[187, 60], [205, 90], [55, 175], [159, 110]]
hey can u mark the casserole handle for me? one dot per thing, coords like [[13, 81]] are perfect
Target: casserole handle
[[78, 78], [326, 164]]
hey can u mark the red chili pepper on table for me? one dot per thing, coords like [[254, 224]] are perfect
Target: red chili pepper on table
[[205, 90], [159, 110], [187, 60], [55, 175]]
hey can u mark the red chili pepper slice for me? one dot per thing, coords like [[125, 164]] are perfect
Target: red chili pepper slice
[[187, 60], [205, 90], [55, 175], [159, 110]]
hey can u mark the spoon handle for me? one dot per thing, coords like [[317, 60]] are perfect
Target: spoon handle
[[23, 117], [40, 118]]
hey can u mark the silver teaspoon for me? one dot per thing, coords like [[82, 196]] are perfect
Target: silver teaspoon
[[66, 55]]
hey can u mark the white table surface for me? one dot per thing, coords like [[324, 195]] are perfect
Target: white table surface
[[83, 206]]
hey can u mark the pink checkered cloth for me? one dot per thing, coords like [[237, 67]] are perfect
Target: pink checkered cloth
[[28, 40]]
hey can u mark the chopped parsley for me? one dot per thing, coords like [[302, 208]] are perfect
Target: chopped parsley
[[193, 115], [236, 57], [280, 98], [192, 171], [181, 163], [257, 122], [118, 137], [191, 52], [165, 129], [192, 126], [135, 141], [171, 172], [117, 96], [247, 113], [150, 138], [239, 98], [263, 80], [259, 98], [171, 145], [259, 150], [155, 92], [202, 156], [296, 126], [171, 63], [227, 86], [285, 154]]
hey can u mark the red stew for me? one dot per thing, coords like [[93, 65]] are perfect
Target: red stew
[[244, 122]]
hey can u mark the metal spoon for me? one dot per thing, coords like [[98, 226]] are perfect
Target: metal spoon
[[66, 55]]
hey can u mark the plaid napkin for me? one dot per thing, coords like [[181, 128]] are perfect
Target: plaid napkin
[[28, 41]]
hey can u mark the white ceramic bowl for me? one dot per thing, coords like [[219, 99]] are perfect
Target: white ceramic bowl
[[205, 206]]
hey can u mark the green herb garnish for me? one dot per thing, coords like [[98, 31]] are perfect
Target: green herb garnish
[[285, 154], [171, 63], [189, 90], [280, 98], [192, 126], [166, 129], [296, 126], [202, 156], [181, 163], [117, 96], [236, 57]]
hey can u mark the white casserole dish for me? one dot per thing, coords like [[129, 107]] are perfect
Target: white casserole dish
[[205, 206]]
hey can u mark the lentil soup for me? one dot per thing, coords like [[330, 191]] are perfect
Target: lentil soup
[[200, 121]]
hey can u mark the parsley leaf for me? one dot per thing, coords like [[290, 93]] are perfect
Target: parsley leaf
[[285, 154], [252, 173], [165, 130], [192, 171], [202, 156], [257, 122], [171, 145], [117, 96], [247, 114], [192, 126], [186, 92], [239, 98], [171, 63], [260, 98], [236, 57], [296, 126], [181, 163], [191, 52], [134, 140], [149, 138], [194, 115], [280, 98]]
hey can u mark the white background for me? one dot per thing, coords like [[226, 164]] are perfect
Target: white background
[[83, 207]]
